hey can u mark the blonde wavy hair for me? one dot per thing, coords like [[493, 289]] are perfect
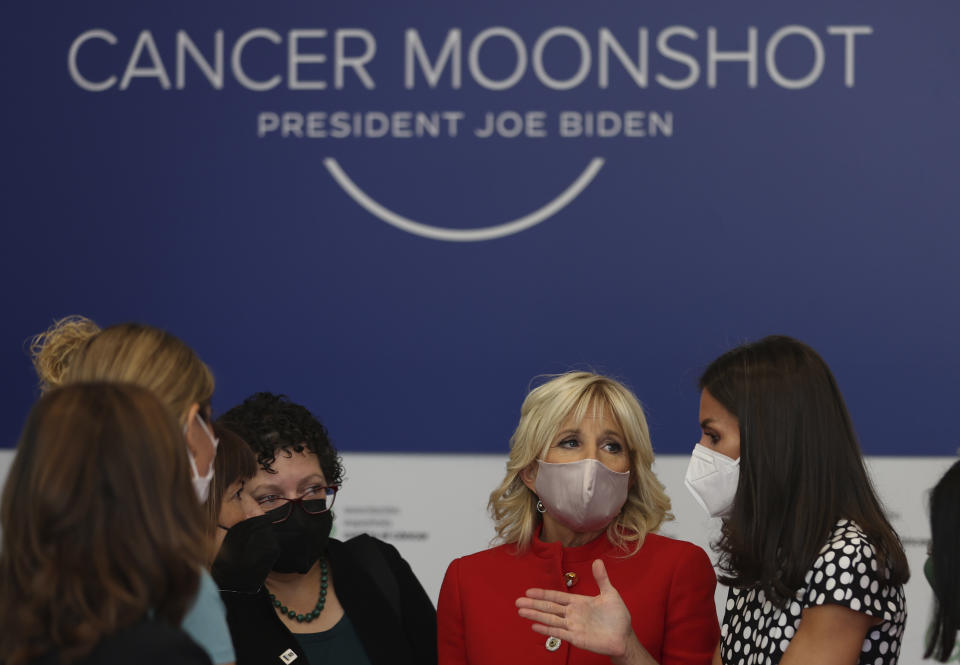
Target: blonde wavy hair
[[513, 506], [76, 350], [54, 349]]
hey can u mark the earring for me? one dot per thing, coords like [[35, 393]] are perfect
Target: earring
[[540, 508]]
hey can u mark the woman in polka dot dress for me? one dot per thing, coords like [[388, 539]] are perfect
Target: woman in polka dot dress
[[815, 570]]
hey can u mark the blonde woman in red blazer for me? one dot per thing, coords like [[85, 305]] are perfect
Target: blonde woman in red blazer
[[576, 513]]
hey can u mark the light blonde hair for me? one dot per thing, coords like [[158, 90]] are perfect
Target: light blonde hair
[[54, 349], [75, 350], [513, 505]]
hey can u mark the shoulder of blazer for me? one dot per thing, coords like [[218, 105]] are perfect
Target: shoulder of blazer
[[370, 556]]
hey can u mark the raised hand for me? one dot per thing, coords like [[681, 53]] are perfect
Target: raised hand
[[600, 624]]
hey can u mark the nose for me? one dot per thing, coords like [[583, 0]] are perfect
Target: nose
[[250, 507], [592, 450]]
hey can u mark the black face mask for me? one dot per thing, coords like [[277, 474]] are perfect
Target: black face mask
[[246, 556], [302, 538]]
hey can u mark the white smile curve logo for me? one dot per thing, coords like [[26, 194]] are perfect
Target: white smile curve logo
[[464, 235]]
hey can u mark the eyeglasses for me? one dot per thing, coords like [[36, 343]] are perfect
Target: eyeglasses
[[315, 501]]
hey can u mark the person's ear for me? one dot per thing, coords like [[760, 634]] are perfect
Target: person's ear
[[191, 415], [191, 433], [529, 476]]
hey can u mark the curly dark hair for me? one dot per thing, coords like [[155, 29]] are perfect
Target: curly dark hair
[[271, 423]]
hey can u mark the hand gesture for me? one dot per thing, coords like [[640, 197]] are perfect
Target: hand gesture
[[600, 624]]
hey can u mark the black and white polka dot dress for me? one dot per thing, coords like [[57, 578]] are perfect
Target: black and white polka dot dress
[[754, 632]]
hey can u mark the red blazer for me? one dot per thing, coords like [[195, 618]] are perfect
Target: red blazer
[[668, 587]]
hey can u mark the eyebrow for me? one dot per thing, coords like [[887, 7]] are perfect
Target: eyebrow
[[706, 422], [268, 487], [606, 432], [273, 487], [309, 480]]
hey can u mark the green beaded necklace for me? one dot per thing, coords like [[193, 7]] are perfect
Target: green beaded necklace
[[321, 601]]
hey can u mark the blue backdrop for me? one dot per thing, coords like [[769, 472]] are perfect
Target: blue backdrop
[[750, 169]]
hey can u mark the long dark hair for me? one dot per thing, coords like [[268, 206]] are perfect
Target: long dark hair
[[801, 469], [945, 532], [100, 523]]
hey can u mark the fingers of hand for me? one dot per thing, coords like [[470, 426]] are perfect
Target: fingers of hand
[[600, 575], [541, 618], [558, 597], [542, 606]]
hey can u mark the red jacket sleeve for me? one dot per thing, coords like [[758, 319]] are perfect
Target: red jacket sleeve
[[451, 648], [692, 631]]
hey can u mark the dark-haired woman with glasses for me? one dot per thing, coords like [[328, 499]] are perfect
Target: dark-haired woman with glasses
[[323, 600]]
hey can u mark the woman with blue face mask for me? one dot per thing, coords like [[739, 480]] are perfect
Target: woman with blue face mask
[[76, 350], [577, 514], [942, 567]]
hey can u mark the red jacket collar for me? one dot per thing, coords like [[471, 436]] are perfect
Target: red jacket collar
[[596, 548]]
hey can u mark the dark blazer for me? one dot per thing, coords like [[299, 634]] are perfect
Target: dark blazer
[[148, 642], [391, 613]]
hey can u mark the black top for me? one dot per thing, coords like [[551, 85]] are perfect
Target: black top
[[149, 642], [390, 612], [340, 644]]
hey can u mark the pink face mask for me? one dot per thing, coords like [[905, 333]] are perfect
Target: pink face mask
[[583, 495]]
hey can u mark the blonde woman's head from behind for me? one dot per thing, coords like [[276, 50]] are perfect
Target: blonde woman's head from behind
[[75, 350], [54, 349]]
